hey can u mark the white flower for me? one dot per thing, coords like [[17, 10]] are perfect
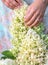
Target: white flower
[[7, 62]]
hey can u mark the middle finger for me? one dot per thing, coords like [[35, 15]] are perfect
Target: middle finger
[[14, 3], [33, 18]]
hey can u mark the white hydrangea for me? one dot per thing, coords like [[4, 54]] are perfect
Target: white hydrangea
[[17, 28], [29, 47], [32, 50], [7, 62]]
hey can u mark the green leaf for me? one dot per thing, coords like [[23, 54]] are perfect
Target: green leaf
[[8, 54], [4, 57]]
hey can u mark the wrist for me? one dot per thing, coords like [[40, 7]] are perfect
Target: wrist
[[45, 2]]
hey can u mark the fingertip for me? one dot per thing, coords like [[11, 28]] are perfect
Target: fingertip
[[17, 7], [21, 3], [24, 18], [25, 25]]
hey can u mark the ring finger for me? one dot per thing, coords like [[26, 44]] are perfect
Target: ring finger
[[37, 21], [33, 18]]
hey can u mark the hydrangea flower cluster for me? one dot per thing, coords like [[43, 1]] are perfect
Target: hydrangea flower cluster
[[29, 47]]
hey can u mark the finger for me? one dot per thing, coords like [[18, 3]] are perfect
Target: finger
[[33, 18], [41, 20], [7, 4], [36, 24], [17, 7], [29, 15], [37, 21], [19, 1], [14, 3], [3, 0]]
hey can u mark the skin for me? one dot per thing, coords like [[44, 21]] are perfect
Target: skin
[[12, 3], [35, 12]]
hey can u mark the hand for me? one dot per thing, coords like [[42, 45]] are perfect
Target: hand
[[35, 13], [12, 3]]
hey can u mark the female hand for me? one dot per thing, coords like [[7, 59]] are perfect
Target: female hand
[[12, 3], [35, 13]]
